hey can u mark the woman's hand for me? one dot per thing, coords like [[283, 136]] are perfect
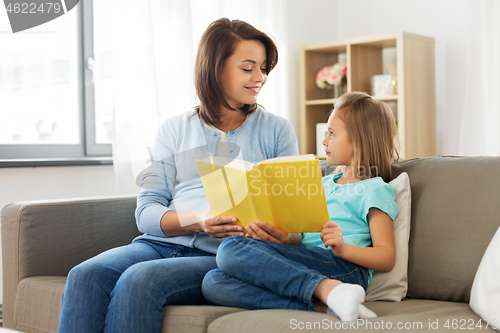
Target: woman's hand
[[219, 226], [265, 231], [331, 235]]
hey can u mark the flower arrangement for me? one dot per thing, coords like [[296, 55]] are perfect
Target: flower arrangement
[[333, 77]]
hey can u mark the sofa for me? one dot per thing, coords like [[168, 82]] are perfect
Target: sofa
[[455, 212]]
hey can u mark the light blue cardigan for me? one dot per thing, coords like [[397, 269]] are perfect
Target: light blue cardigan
[[172, 182]]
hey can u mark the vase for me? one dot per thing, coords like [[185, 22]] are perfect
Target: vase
[[340, 89]]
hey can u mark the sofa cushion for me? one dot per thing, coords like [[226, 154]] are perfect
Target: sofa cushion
[[455, 213], [393, 285], [38, 302], [411, 315], [485, 293], [193, 318]]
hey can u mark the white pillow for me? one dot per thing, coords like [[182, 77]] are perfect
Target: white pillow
[[485, 292], [393, 285]]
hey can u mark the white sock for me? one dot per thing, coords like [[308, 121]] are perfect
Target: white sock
[[365, 313], [345, 302], [330, 312]]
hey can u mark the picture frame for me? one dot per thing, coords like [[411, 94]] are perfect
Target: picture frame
[[321, 133]]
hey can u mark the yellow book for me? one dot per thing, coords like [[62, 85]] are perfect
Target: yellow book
[[286, 192]]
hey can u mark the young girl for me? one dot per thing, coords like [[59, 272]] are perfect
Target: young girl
[[328, 271], [125, 289]]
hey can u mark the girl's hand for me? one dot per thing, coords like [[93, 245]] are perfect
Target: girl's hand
[[331, 235], [265, 231], [219, 226]]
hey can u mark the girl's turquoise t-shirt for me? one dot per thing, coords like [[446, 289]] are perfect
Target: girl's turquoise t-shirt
[[349, 205]]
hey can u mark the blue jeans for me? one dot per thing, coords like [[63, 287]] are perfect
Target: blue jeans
[[125, 289], [256, 274]]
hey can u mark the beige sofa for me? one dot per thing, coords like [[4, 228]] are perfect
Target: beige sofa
[[455, 212]]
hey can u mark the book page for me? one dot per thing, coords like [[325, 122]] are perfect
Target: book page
[[219, 162], [288, 159]]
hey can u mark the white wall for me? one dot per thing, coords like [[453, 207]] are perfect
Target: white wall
[[308, 21], [22, 184], [447, 21]]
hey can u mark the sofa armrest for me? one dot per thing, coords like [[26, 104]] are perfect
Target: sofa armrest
[[48, 238]]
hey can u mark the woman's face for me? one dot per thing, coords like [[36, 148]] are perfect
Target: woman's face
[[244, 73]]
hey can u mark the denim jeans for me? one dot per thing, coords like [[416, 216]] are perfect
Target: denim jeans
[[125, 289], [256, 274]]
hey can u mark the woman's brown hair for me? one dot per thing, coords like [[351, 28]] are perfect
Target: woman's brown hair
[[217, 44], [372, 129]]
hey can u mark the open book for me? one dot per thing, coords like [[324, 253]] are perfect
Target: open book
[[286, 192]]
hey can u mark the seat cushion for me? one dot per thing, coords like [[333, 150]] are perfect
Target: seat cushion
[[193, 318], [410, 315], [38, 303]]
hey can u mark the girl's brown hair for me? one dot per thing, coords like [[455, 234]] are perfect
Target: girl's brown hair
[[216, 45], [372, 129]]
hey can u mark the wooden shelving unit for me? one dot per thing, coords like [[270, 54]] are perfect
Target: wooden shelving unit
[[413, 106]]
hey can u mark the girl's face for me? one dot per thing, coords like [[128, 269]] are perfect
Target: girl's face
[[244, 73], [338, 145]]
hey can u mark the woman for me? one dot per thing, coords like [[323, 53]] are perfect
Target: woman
[[125, 289]]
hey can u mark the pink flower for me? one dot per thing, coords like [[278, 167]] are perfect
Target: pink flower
[[339, 67], [335, 76], [331, 75], [321, 84], [323, 73]]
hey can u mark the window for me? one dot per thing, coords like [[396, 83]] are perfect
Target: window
[[56, 97]]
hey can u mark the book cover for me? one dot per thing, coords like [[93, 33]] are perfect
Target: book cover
[[286, 192]]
